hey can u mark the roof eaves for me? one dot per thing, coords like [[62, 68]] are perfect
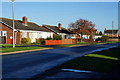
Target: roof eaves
[[6, 25], [51, 29]]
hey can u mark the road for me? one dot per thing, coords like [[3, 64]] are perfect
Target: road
[[29, 64]]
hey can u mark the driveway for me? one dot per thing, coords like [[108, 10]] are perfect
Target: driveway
[[29, 64]]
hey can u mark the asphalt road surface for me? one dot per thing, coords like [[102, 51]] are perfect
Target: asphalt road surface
[[28, 64]]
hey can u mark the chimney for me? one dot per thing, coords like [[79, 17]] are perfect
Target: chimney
[[24, 20], [60, 26]]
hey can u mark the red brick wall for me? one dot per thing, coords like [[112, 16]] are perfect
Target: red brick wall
[[53, 42], [110, 35], [60, 42], [18, 37], [10, 33], [88, 40], [113, 39], [67, 41]]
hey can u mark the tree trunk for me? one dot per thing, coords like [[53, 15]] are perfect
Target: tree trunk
[[81, 37]]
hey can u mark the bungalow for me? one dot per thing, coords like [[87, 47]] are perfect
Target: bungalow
[[59, 30], [111, 33], [23, 29]]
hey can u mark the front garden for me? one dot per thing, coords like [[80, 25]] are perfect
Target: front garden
[[21, 47], [10, 49]]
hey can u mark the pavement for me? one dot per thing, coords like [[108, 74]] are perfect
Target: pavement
[[27, 65], [25, 51]]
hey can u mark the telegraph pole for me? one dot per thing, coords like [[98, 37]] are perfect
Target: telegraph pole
[[112, 29]]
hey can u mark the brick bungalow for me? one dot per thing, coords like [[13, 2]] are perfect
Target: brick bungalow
[[23, 29], [110, 34], [59, 30]]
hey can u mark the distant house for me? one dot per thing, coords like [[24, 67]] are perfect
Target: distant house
[[59, 30], [23, 29], [111, 33], [94, 36]]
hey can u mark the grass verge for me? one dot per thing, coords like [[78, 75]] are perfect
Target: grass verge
[[66, 45], [19, 49], [102, 61]]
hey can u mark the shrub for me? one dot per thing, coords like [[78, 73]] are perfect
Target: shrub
[[42, 41], [25, 40], [104, 38], [57, 37], [49, 38], [37, 41], [91, 37], [98, 39]]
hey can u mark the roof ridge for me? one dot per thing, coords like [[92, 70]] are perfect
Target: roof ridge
[[18, 24], [18, 20]]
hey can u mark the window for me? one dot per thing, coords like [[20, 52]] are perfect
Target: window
[[3, 33]]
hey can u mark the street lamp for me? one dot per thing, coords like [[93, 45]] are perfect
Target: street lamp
[[13, 23]]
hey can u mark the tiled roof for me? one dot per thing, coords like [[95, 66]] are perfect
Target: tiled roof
[[21, 26], [110, 31], [57, 30]]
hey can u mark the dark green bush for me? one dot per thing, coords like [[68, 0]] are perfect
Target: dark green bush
[[57, 37], [25, 40], [49, 38], [91, 37], [37, 41], [42, 41], [104, 38], [99, 39]]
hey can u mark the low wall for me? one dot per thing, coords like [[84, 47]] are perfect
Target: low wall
[[53, 42], [88, 40], [67, 41], [113, 40], [60, 42], [9, 41]]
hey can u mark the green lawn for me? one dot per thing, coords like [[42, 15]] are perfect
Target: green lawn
[[66, 45], [19, 49], [8, 47], [112, 41], [102, 61]]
